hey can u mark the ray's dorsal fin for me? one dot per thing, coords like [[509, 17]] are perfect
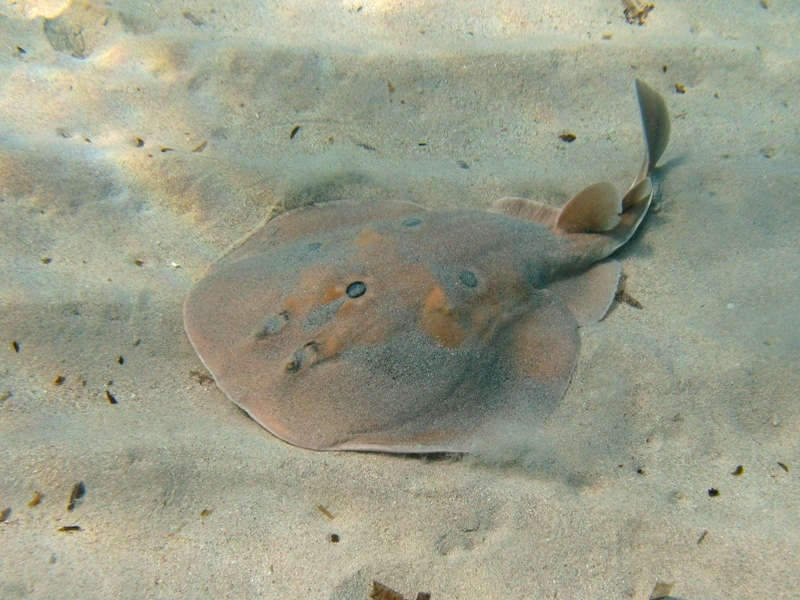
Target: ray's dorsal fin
[[598, 210], [594, 209]]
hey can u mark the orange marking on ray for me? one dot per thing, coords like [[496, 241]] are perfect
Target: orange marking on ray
[[439, 321], [368, 237], [333, 292]]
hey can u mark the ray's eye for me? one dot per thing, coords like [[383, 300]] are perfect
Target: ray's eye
[[412, 222], [356, 289], [468, 278]]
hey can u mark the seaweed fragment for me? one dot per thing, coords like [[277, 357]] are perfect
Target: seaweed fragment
[[636, 13], [661, 590], [624, 297], [78, 492], [383, 592], [196, 21], [202, 378]]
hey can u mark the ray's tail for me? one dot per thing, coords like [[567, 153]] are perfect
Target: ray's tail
[[600, 218], [601, 209], [656, 126]]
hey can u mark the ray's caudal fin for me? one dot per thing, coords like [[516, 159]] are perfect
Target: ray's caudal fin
[[600, 208]]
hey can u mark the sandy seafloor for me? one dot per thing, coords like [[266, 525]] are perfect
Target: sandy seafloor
[[139, 139]]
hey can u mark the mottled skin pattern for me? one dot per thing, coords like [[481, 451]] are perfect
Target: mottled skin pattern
[[384, 326]]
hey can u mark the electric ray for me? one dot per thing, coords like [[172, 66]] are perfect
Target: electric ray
[[388, 327]]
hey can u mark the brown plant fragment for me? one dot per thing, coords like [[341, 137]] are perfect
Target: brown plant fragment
[[382, 592], [623, 296], [202, 378], [702, 536], [636, 13], [78, 492], [661, 590]]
